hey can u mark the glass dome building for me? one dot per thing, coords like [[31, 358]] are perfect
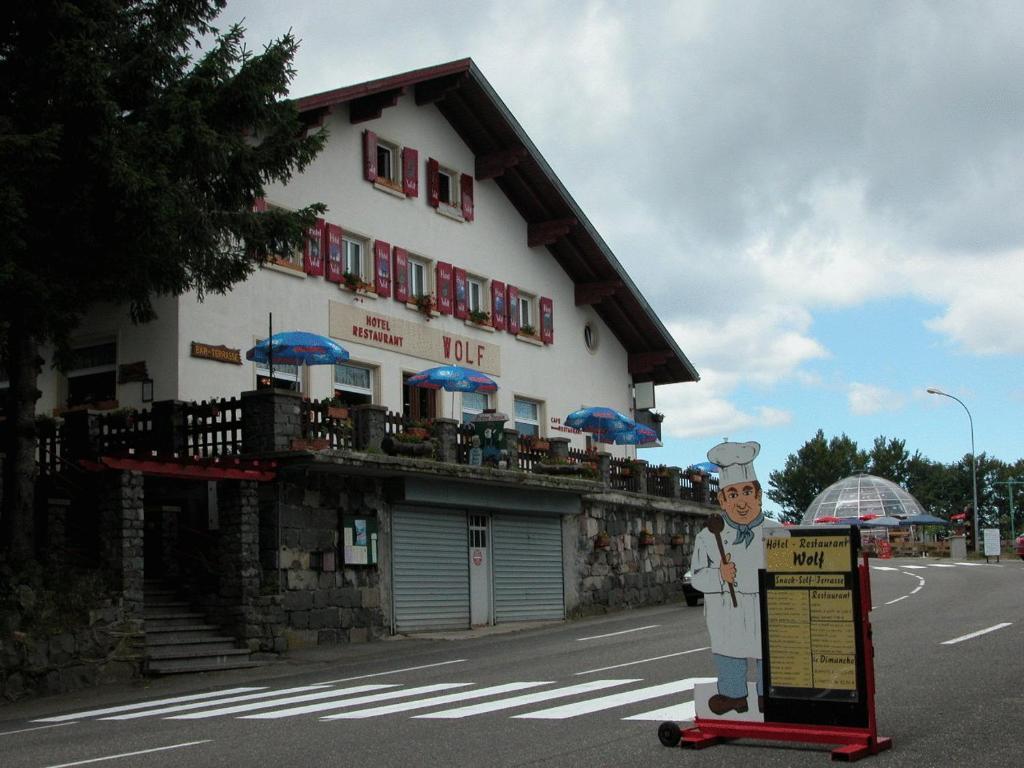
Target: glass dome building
[[858, 496]]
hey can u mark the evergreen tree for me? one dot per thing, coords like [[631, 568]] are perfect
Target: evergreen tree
[[809, 471], [134, 140]]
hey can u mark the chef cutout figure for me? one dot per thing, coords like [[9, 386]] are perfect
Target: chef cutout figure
[[727, 554]]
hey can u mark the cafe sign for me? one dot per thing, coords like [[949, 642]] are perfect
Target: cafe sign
[[416, 338], [220, 353]]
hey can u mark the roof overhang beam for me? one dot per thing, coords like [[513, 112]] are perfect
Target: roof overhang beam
[[593, 293], [548, 232], [371, 106]]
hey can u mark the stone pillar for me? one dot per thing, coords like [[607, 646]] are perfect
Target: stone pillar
[[369, 425], [239, 554], [446, 432], [168, 428], [271, 419], [121, 534], [640, 475], [56, 530], [558, 448], [512, 448], [604, 468], [674, 476]]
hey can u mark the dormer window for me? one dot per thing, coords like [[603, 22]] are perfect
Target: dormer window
[[390, 166], [450, 191]]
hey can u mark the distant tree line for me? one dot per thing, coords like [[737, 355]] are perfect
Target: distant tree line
[[942, 489]]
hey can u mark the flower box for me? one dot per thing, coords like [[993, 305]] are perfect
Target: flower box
[[602, 541], [646, 539], [311, 444], [337, 412], [678, 540]]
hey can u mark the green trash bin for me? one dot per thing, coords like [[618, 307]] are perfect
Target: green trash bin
[[489, 426]]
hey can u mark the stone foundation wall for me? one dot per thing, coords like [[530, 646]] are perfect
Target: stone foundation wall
[[629, 574]]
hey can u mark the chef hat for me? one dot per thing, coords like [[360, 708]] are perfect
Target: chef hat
[[735, 461]]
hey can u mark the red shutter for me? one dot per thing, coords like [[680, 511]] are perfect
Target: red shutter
[[259, 205], [401, 270], [410, 172], [381, 267], [498, 305], [445, 305], [312, 249], [467, 196], [332, 249], [513, 309], [461, 285], [369, 155], [547, 321], [433, 182]]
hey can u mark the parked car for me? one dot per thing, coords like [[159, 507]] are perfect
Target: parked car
[[693, 595], [1020, 550]]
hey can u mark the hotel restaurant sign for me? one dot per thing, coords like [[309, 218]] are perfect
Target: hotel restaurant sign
[[416, 338]]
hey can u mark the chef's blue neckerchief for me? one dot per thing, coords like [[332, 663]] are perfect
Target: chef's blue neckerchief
[[744, 534]]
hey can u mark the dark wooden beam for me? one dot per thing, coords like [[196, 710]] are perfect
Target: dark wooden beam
[[547, 232], [592, 293], [314, 118], [494, 164], [431, 91], [370, 107], [646, 362]]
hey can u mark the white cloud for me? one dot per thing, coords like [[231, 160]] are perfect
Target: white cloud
[[869, 399]]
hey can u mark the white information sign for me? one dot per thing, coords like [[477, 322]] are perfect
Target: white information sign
[[991, 539]]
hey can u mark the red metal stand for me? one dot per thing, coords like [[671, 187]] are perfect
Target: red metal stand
[[855, 742]]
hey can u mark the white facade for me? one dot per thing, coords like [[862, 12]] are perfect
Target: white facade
[[562, 376]]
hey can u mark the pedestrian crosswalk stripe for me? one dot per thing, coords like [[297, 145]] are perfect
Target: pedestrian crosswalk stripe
[[526, 698], [435, 700], [677, 713], [211, 703], [146, 704], [972, 565], [250, 706], [915, 567], [941, 565], [615, 700], [325, 705], [883, 568]]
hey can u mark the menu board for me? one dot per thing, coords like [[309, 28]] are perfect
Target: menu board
[[809, 604]]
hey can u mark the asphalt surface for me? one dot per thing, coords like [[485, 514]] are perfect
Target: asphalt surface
[[943, 704]]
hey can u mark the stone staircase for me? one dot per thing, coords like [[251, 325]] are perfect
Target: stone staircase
[[179, 640]]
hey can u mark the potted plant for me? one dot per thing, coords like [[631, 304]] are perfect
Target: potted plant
[[678, 540], [425, 304], [336, 408], [539, 444], [479, 317], [646, 538], [602, 540], [657, 417], [528, 330]]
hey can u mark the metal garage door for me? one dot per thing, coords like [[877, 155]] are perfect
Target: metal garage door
[[527, 557], [430, 571]]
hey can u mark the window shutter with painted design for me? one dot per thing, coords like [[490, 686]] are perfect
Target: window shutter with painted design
[[498, 305], [410, 172], [335, 267], [369, 155], [467, 196], [259, 205], [461, 285], [312, 249], [547, 321], [445, 305], [433, 182], [513, 309], [401, 270], [382, 267]]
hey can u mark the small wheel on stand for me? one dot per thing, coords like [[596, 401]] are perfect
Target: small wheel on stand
[[669, 734]]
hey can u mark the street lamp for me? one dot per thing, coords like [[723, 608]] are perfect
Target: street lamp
[[974, 468]]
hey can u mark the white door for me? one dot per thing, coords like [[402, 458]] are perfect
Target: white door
[[479, 571]]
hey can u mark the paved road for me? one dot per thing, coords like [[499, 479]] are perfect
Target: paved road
[[587, 693]]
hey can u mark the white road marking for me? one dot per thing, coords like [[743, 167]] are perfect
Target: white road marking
[[940, 565], [324, 705], [884, 568], [915, 567], [897, 599], [623, 632], [211, 703], [131, 754], [526, 698], [249, 707], [145, 704], [642, 661], [972, 565], [916, 589], [394, 671], [37, 728], [615, 700], [976, 634], [434, 700], [678, 713]]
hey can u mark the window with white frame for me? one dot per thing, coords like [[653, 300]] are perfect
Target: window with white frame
[[418, 278], [527, 316], [353, 384], [527, 417], [92, 374], [388, 161], [448, 188], [475, 299], [472, 404], [354, 250], [285, 376]]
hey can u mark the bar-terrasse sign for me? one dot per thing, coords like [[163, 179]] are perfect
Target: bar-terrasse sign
[[415, 338], [221, 353]]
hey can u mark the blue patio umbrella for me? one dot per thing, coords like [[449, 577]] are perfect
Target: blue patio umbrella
[[706, 466], [298, 348], [638, 434], [453, 378], [603, 422], [924, 520]]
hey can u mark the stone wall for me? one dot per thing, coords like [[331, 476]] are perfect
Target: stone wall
[[629, 574]]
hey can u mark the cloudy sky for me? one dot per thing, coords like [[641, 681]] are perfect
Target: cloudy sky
[[824, 202]]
